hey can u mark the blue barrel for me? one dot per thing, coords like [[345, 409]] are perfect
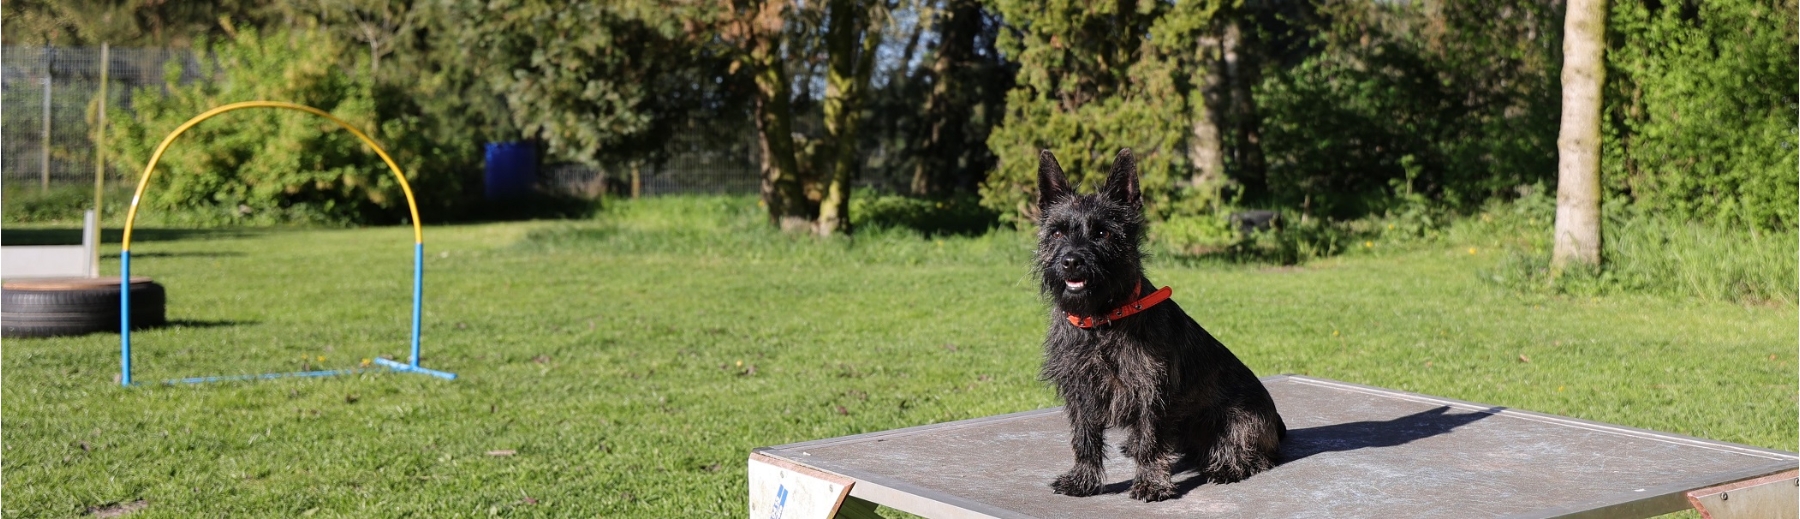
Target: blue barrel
[[511, 169]]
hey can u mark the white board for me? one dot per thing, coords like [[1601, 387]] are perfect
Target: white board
[[783, 490]]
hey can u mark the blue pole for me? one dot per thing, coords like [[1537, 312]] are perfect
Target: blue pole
[[418, 297], [265, 376], [124, 317], [408, 368]]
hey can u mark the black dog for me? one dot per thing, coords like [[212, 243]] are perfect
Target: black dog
[[1122, 355]]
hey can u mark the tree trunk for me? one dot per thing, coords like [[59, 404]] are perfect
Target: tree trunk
[[1206, 150], [1578, 142], [1242, 72], [781, 192], [846, 82], [946, 108]]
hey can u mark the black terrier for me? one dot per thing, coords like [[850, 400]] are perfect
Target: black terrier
[[1123, 357]]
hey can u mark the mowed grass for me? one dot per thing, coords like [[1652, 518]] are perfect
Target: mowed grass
[[630, 362]]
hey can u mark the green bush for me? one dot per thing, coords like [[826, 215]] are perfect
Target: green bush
[[1668, 257], [1700, 111], [1194, 235], [61, 203], [1093, 79], [1446, 104], [960, 214], [1643, 254], [1292, 241], [277, 166]]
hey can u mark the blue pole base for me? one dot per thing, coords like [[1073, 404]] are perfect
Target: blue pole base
[[409, 368], [265, 376], [391, 365]]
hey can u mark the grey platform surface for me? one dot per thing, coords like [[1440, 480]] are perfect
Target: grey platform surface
[[1351, 451]]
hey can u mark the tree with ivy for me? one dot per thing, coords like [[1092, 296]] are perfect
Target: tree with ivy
[[853, 35], [806, 186]]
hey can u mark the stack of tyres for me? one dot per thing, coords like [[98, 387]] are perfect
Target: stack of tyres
[[75, 306]]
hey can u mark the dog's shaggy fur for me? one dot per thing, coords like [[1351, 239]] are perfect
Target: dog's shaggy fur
[[1157, 374]]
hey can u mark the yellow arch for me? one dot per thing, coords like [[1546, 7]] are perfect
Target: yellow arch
[[144, 182]]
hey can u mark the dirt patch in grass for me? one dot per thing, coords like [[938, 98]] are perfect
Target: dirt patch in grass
[[117, 509]]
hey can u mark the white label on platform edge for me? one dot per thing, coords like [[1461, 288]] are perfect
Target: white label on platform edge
[[782, 490]]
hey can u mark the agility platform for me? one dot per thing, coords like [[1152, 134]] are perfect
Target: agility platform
[[1351, 451]]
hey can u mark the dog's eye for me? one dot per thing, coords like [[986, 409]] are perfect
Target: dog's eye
[[1056, 234], [1104, 234]]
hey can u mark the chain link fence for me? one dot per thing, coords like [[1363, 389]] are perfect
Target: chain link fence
[[48, 105], [48, 115], [719, 163]]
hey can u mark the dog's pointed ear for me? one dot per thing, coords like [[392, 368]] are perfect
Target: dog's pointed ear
[[1122, 183], [1053, 185]]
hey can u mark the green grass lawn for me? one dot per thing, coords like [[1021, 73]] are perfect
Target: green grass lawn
[[630, 362]]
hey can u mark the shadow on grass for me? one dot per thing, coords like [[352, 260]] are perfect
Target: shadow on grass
[[203, 323], [138, 325], [535, 206], [189, 254], [72, 236]]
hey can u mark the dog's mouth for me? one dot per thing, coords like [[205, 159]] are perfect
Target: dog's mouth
[[1075, 285]]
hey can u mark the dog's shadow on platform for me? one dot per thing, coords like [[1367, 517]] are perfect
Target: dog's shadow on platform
[[1349, 436], [1311, 441]]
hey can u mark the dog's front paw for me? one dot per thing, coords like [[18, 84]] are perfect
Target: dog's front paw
[[1076, 483], [1150, 492]]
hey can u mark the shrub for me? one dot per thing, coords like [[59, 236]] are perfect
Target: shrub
[[1643, 254], [1700, 111], [1445, 103], [961, 214], [1194, 235], [1092, 80], [274, 166], [60, 203], [1668, 257]]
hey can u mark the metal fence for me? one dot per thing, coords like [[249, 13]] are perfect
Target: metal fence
[[48, 113], [696, 164], [48, 105]]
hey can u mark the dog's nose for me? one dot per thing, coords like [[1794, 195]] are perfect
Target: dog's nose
[[1071, 262]]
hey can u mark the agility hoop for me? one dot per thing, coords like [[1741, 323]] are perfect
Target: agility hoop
[[412, 364]]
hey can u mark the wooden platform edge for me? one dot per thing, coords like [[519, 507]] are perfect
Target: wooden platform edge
[[783, 464], [1644, 502], [901, 496], [1772, 496]]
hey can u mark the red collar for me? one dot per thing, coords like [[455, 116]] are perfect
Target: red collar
[[1124, 311]]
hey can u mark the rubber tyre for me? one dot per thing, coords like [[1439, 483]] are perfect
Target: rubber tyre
[[51, 308]]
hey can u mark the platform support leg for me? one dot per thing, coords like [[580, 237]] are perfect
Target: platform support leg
[[1774, 495], [854, 508]]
